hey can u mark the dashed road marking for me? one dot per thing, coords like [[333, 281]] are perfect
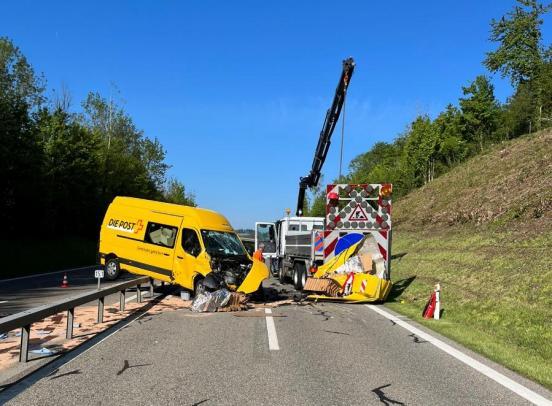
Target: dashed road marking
[[496, 376], [271, 329]]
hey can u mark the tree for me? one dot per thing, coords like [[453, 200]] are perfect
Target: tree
[[479, 111], [175, 192], [132, 164], [521, 55], [420, 151], [71, 172], [451, 147], [20, 155]]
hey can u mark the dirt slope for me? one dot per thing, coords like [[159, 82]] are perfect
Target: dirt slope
[[484, 231], [510, 186]]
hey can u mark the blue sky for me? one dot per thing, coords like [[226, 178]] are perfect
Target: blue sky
[[237, 91]]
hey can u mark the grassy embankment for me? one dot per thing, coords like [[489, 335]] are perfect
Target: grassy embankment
[[484, 231], [23, 258]]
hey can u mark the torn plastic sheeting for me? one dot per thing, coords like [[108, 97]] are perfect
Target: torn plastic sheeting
[[210, 301]]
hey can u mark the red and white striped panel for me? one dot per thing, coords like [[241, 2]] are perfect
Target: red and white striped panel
[[361, 209]]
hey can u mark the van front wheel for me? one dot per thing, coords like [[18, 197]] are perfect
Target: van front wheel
[[112, 269]]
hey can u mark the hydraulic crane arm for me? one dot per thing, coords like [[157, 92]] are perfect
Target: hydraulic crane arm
[[332, 115]]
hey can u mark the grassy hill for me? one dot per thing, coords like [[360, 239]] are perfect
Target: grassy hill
[[484, 231]]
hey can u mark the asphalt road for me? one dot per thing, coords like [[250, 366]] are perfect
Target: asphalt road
[[20, 294], [329, 353]]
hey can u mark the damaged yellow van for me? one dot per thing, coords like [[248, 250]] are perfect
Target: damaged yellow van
[[192, 247]]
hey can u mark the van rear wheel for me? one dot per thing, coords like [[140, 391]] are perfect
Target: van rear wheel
[[112, 269]]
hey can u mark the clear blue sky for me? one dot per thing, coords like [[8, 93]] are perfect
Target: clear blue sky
[[237, 91]]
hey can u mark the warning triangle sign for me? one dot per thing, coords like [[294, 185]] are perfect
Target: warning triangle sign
[[358, 214]]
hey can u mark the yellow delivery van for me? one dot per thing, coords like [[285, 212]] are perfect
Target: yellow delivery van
[[192, 247]]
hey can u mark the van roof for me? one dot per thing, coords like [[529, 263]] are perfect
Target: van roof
[[203, 218]]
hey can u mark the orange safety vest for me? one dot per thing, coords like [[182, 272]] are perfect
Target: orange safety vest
[[258, 256]]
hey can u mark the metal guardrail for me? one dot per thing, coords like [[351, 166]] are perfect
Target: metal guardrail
[[25, 319]]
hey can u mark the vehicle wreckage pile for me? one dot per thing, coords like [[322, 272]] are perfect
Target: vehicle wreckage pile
[[221, 300], [357, 274]]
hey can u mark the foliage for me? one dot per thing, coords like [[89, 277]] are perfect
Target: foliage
[[65, 168], [429, 148], [519, 54], [175, 192], [479, 112]]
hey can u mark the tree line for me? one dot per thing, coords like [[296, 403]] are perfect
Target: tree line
[[60, 169], [430, 147]]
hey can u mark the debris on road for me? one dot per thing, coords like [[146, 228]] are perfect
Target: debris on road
[[357, 274], [325, 286], [210, 301], [224, 301], [43, 351]]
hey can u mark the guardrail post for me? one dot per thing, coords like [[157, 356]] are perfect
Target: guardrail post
[[24, 348], [70, 321], [151, 287], [138, 294], [122, 300], [100, 309]]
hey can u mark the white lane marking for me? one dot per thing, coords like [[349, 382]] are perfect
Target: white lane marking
[[128, 299], [47, 273], [271, 329], [3, 301], [496, 376]]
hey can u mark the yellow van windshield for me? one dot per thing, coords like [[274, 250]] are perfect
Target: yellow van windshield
[[222, 243]]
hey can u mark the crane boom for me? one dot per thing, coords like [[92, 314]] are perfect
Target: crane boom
[[332, 115]]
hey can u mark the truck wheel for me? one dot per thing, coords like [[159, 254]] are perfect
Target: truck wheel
[[299, 275], [112, 269], [281, 274]]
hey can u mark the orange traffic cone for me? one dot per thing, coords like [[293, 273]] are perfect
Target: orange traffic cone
[[65, 283], [429, 309]]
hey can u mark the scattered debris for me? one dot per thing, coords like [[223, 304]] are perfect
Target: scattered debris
[[325, 286], [42, 351], [336, 332], [237, 302], [211, 301], [357, 274]]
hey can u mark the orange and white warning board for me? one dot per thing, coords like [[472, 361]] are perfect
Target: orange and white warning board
[[355, 210]]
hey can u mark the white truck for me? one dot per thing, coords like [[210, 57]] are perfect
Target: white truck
[[296, 246], [293, 246]]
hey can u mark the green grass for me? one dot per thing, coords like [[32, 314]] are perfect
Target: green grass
[[22, 258], [484, 231], [496, 293]]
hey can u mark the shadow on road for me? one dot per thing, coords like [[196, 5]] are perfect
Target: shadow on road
[[383, 398]]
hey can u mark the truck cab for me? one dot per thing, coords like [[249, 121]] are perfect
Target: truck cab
[[292, 245]]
